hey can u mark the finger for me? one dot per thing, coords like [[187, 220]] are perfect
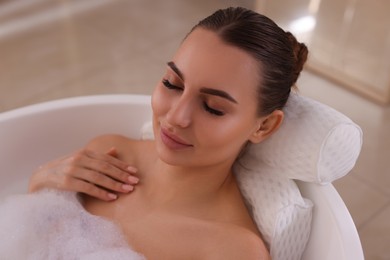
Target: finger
[[71, 183], [80, 168], [103, 181], [111, 171], [90, 189], [112, 152], [96, 162], [114, 161], [110, 166]]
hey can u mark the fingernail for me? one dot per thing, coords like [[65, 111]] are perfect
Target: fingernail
[[132, 169], [127, 187], [112, 196], [133, 179]]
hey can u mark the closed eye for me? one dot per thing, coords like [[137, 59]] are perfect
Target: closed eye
[[212, 110], [169, 85], [208, 109]]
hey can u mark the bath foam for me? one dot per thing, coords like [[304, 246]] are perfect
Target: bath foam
[[54, 225]]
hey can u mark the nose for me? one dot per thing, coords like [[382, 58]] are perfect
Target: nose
[[180, 112]]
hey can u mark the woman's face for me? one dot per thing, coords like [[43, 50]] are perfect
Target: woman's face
[[205, 105]]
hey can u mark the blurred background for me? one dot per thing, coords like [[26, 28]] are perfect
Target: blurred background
[[52, 49]]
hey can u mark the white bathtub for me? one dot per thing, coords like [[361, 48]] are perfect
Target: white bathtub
[[32, 135], [35, 134]]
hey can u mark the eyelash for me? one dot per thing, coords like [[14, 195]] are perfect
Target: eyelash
[[210, 110], [169, 85]]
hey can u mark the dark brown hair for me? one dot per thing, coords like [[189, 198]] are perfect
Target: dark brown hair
[[280, 56]]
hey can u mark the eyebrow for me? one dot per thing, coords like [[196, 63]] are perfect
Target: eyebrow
[[217, 92], [172, 65], [210, 91]]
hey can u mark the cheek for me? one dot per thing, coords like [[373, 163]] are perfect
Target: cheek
[[157, 102], [222, 142], [157, 108], [231, 134]]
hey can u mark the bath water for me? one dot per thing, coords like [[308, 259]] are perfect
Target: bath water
[[54, 225]]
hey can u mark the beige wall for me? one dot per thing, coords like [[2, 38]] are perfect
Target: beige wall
[[349, 40]]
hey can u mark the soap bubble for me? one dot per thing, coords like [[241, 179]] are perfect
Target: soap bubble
[[54, 225]]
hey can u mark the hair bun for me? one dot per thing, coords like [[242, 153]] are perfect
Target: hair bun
[[300, 55]]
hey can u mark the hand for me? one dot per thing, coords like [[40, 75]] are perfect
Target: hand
[[96, 174]]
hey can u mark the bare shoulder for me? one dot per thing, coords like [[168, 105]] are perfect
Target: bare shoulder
[[125, 146], [237, 242], [105, 142]]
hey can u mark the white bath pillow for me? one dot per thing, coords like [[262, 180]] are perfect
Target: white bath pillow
[[147, 131], [314, 144], [281, 214]]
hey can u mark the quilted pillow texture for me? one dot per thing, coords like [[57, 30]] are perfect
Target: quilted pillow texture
[[281, 214], [314, 144]]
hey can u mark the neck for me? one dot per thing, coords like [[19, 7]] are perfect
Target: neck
[[180, 186]]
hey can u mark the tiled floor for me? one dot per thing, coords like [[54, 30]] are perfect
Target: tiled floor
[[56, 48]]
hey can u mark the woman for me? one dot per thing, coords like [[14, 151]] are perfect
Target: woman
[[225, 87]]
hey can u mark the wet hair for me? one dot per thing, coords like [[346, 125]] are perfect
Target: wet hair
[[279, 55]]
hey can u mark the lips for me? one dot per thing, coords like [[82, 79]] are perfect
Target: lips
[[172, 141]]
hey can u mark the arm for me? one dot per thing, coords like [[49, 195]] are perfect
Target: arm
[[94, 170]]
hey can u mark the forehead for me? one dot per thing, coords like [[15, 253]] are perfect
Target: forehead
[[205, 60]]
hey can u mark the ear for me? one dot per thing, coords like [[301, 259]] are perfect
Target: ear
[[267, 126]]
